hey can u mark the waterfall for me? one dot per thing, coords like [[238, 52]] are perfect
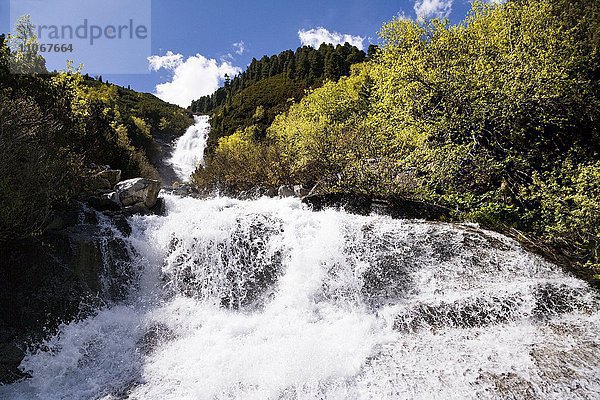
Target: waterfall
[[189, 148], [265, 299]]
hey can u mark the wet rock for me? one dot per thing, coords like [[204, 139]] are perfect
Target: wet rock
[[85, 254], [138, 190], [182, 190], [10, 359], [361, 204], [244, 262], [508, 385], [386, 280], [117, 271], [106, 201], [56, 277], [285, 191], [552, 299], [154, 336], [465, 313], [136, 209], [121, 223], [160, 208], [37, 291]]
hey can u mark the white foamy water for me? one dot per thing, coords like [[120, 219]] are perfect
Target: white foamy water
[[189, 148], [264, 299]]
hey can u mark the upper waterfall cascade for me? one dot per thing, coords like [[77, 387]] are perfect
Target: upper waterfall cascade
[[189, 148]]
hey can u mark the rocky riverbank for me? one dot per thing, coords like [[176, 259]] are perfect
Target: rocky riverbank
[[80, 262]]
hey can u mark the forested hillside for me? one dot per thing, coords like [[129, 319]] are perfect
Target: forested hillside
[[270, 85], [57, 129], [495, 118]]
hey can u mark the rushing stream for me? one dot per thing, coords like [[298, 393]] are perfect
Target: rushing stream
[[265, 299]]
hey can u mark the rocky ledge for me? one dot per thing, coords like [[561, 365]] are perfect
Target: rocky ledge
[[395, 207]]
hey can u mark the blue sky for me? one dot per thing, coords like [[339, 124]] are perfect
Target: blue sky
[[208, 30]]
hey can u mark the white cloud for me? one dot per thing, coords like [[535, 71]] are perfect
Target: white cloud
[[168, 61], [314, 38], [240, 47], [192, 78], [433, 8]]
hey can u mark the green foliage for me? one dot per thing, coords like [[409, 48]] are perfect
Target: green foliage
[[569, 212], [240, 163], [494, 118], [306, 66], [23, 43], [36, 169], [54, 130], [320, 136]]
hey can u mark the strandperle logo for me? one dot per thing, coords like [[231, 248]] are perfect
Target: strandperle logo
[[93, 32], [105, 36]]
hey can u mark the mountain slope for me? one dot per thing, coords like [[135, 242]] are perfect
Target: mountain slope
[[270, 85]]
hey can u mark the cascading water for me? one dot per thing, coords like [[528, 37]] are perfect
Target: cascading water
[[189, 148], [265, 299]]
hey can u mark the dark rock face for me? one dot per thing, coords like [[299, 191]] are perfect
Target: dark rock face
[[108, 201], [395, 207], [554, 299], [36, 290], [468, 313], [65, 273], [549, 300], [387, 278]]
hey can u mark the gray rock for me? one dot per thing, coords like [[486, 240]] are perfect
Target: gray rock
[[300, 191], [285, 191], [138, 190], [10, 358], [102, 180]]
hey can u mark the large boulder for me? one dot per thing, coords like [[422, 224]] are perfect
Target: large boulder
[[138, 190]]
